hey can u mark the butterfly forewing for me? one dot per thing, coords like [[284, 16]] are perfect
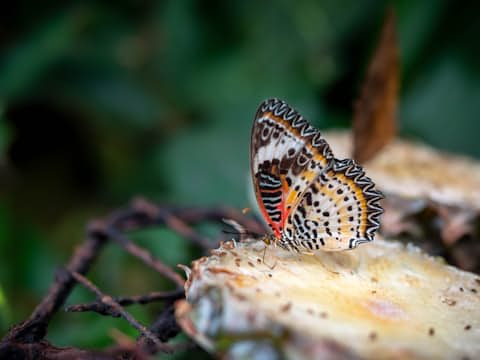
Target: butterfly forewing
[[309, 199], [286, 155]]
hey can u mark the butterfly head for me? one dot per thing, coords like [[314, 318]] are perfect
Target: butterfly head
[[269, 239]]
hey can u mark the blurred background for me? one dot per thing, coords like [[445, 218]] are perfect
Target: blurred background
[[103, 101]]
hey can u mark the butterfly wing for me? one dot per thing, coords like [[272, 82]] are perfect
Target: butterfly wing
[[338, 211], [286, 155]]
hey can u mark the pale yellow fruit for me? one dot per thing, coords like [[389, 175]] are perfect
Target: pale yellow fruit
[[381, 301]]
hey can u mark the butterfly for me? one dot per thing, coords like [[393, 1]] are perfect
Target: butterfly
[[309, 199]]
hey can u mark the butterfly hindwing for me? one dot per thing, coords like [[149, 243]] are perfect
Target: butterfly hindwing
[[338, 211]]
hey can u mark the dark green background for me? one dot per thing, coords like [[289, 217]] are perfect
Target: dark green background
[[102, 101]]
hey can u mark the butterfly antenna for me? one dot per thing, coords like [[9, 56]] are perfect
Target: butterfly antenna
[[239, 229], [230, 232]]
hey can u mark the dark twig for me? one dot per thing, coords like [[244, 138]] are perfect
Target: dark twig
[[194, 215], [109, 301], [102, 308], [181, 228], [44, 350], [35, 327], [165, 327], [166, 217], [145, 256], [25, 340], [217, 214]]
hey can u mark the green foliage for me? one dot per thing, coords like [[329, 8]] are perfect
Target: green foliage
[[4, 310], [100, 102]]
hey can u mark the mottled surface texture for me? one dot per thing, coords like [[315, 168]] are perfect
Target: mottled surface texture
[[380, 301]]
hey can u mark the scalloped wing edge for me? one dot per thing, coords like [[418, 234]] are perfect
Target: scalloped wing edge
[[372, 196], [300, 124]]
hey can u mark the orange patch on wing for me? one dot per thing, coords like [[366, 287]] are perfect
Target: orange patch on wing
[[283, 204], [309, 175], [318, 157], [291, 196]]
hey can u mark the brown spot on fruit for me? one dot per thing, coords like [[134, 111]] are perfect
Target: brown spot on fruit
[[449, 302], [286, 307]]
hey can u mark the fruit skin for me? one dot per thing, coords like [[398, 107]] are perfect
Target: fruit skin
[[382, 300]]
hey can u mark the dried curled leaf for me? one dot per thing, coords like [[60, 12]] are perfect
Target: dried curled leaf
[[374, 123], [383, 300]]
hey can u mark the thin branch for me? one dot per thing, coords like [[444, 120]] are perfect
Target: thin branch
[[164, 327], [109, 301], [102, 308], [193, 215], [35, 327], [165, 215], [44, 350], [146, 256], [180, 227], [26, 339]]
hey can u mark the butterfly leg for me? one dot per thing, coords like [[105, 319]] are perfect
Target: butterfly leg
[[263, 260]]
